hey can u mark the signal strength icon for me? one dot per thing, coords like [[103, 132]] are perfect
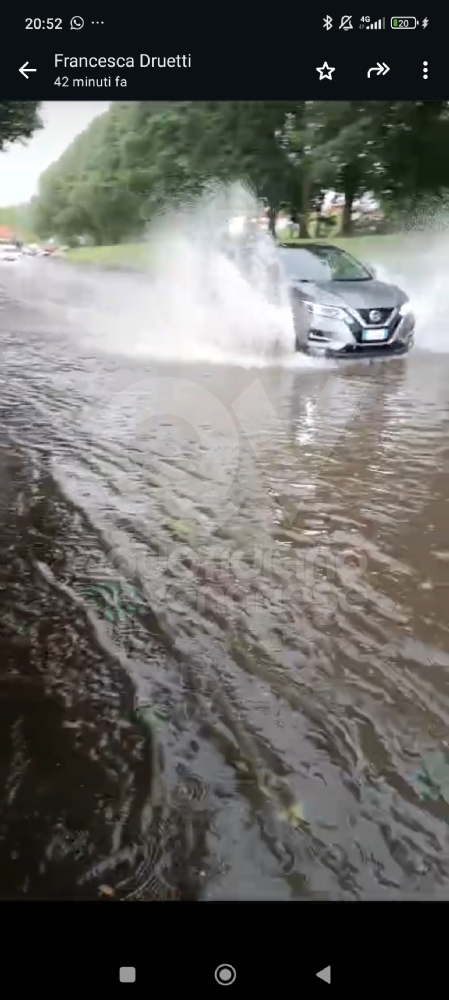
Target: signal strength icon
[[377, 24]]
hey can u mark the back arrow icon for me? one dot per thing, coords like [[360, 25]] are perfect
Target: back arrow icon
[[25, 69], [380, 70]]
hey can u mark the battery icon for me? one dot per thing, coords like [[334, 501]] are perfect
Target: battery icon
[[404, 22]]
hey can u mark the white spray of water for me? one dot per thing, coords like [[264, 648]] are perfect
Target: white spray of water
[[193, 304], [420, 266]]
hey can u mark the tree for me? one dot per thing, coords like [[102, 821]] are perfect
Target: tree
[[345, 144], [18, 120], [247, 140], [312, 172], [399, 148], [414, 140], [137, 159]]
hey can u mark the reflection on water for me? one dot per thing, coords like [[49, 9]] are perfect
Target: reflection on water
[[224, 625]]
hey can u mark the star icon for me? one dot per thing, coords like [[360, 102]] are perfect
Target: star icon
[[325, 71]]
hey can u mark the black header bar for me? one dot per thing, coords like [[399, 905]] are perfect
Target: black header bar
[[134, 56]]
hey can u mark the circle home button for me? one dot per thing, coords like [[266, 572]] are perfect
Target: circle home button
[[225, 975]]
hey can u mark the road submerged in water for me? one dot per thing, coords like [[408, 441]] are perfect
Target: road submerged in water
[[224, 627]]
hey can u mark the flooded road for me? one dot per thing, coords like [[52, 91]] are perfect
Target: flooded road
[[224, 618]]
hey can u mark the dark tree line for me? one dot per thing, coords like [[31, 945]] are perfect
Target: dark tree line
[[133, 160]]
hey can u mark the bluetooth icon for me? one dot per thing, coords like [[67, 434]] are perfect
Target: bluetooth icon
[[327, 23]]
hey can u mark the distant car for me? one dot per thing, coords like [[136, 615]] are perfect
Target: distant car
[[9, 252], [340, 309]]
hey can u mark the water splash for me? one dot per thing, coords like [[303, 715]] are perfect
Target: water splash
[[192, 304], [419, 264]]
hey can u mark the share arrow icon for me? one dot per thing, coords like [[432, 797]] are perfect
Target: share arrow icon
[[380, 70]]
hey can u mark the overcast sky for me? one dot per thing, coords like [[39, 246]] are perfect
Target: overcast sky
[[21, 166]]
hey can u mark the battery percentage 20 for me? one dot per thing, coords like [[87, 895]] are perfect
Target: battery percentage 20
[[404, 22]]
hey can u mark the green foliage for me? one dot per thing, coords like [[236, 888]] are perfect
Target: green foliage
[[136, 159], [18, 120]]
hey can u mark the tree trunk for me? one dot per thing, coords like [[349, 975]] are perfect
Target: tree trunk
[[346, 223], [303, 230], [319, 216], [305, 208], [272, 214]]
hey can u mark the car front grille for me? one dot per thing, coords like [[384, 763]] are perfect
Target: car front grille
[[391, 325], [383, 316]]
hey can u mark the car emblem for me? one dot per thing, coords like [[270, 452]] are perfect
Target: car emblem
[[375, 316]]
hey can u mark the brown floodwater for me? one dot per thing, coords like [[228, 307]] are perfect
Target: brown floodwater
[[224, 617]]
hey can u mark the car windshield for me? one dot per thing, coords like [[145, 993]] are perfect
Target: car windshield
[[322, 263]]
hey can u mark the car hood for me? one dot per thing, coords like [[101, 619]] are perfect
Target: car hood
[[356, 294]]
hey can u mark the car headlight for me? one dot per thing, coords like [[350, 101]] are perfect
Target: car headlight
[[406, 308], [326, 312]]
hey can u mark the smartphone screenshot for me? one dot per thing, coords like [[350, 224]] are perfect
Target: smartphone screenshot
[[224, 412]]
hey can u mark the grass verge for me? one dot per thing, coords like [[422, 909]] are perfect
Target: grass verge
[[363, 247], [125, 255], [132, 255]]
